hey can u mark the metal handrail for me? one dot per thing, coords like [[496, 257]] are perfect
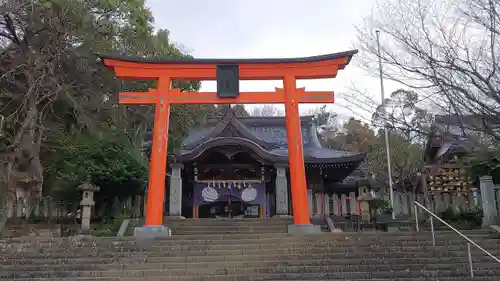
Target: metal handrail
[[417, 204]]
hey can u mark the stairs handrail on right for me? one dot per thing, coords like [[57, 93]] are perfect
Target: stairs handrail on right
[[469, 241]]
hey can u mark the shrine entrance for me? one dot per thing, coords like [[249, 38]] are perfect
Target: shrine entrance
[[227, 181], [227, 73], [231, 208]]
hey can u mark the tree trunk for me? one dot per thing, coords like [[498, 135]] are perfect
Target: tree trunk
[[13, 154], [5, 192]]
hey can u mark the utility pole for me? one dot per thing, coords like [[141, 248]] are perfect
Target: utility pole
[[386, 132]]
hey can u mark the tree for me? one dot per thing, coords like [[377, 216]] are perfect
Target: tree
[[220, 110], [401, 113], [326, 124], [266, 110], [108, 160], [355, 136], [52, 85], [446, 50], [406, 160]]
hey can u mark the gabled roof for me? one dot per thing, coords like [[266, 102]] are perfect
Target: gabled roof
[[229, 123], [266, 136], [450, 136]]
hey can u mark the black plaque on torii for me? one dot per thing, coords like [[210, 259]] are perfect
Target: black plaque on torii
[[228, 81]]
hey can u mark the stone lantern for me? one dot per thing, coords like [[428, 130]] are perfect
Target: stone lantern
[[86, 204], [364, 204]]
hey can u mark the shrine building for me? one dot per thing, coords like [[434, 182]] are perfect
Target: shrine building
[[238, 167]]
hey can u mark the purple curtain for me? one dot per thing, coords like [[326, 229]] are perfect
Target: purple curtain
[[205, 193]]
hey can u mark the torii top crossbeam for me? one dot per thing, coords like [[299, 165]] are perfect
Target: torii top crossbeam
[[227, 72], [324, 66]]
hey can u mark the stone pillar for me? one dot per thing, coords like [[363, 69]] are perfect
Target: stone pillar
[[310, 199], [327, 204], [175, 202], [488, 200], [343, 202], [281, 191], [352, 203], [319, 205], [475, 197], [335, 204], [87, 203], [403, 201], [446, 200], [364, 206], [397, 203]]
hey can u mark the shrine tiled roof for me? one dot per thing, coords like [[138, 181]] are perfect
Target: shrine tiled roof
[[266, 136]]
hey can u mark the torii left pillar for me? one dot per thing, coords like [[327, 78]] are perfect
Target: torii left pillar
[[158, 167]]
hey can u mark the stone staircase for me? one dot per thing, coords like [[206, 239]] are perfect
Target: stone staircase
[[261, 250], [228, 226]]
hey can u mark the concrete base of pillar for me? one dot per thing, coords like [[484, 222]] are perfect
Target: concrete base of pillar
[[304, 229], [152, 232]]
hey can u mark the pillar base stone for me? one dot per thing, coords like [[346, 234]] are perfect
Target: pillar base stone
[[152, 232], [304, 229]]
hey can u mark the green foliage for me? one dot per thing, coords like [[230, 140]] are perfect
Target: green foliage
[[406, 157], [107, 160], [483, 164], [379, 206], [110, 226], [462, 219], [356, 136], [323, 116]]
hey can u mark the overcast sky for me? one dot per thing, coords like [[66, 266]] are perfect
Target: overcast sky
[[263, 29]]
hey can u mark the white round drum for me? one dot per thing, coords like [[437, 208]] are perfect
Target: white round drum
[[249, 194], [209, 194]]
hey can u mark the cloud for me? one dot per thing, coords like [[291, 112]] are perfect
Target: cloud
[[263, 29]]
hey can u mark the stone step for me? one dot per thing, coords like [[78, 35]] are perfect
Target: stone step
[[240, 244], [232, 225], [285, 254], [251, 278], [245, 221], [317, 247], [292, 273], [484, 278], [106, 264], [274, 269], [203, 245], [242, 228], [240, 239], [222, 232], [361, 235]]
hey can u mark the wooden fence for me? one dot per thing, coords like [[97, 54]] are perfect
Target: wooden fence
[[134, 207], [50, 209]]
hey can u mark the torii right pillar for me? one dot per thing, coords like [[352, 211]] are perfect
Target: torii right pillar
[[302, 222]]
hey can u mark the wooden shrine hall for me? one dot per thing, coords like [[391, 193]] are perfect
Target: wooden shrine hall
[[228, 73], [238, 166]]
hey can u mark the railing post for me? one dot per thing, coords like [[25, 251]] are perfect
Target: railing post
[[470, 260], [416, 217], [469, 241], [432, 232]]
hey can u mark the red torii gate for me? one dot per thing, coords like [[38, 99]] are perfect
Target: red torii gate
[[227, 72]]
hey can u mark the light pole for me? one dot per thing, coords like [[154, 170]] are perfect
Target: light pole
[[386, 132]]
